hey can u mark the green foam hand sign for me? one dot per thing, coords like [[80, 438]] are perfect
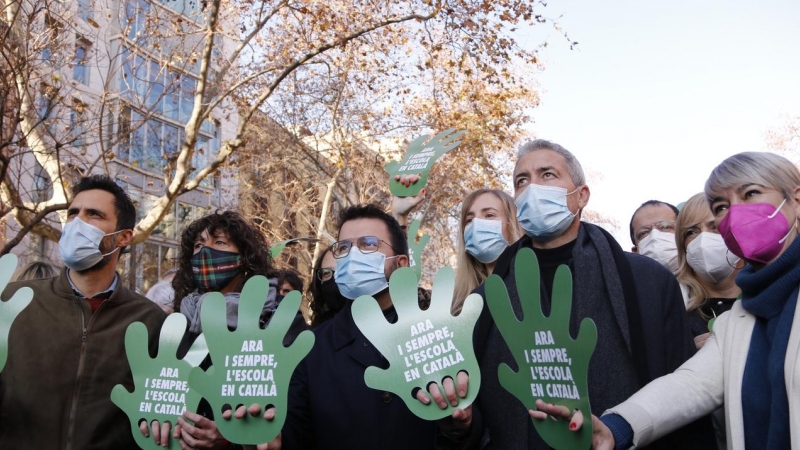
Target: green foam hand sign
[[277, 248], [251, 365], [422, 346], [418, 160], [415, 247], [9, 310], [552, 365], [161, 384]]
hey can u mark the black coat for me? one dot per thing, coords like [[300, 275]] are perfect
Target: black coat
[[656, 329], [331, 407]]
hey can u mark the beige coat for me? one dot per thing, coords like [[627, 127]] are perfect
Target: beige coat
[[710, 378]]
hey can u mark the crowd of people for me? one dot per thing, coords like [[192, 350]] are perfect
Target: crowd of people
[[697, 347]]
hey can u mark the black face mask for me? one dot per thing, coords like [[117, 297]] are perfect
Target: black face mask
[[279, 298], [332, 299]]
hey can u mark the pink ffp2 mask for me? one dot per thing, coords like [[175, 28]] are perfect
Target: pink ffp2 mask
[[755, 231]]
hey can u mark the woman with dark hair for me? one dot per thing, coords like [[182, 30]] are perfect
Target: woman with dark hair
[[219, 253], [325, 300]]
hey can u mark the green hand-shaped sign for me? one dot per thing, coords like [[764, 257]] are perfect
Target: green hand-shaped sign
[[418, 160], [161, 384], [9, 310], [251, 365], [276, 248], [415, 247], [552, 366], [422, 346]]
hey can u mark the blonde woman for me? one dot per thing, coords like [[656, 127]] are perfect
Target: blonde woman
[[487, 225], [706, 268], [707, 273]]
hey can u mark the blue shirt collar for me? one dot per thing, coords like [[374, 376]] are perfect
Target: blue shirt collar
[[106, 293]]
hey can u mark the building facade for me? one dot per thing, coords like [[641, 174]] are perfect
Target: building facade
[[116, 83]]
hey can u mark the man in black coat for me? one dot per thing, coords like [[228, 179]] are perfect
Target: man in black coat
[[635, 303], [330, 406]]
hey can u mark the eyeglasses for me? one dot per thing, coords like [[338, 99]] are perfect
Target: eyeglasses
[[325, 274], [665, 226], [365, 244]]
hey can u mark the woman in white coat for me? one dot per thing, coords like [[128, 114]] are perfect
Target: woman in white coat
[[751, 362]]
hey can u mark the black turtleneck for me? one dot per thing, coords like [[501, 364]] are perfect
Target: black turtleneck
[[549, 260]]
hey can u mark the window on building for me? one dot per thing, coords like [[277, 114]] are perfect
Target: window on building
[[156, 87], [137, 139], [163, 91], [164, 227], [187, 88], [85, 10], [172, 98], [136, 12], [124, 133], [154, 261], [42, 187], [77, 123], [149, 263], [172, 140], [80, 66], [150, 144], [46, 108], [168, 100], [50, 53], [151, 159]]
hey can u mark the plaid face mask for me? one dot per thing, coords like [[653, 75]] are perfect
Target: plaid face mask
[[214, 269]]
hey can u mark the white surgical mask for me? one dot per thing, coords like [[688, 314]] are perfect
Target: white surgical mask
[[484, 239], [360, 274], [709, 257], [661, 247], [80, 245], [542, 211]]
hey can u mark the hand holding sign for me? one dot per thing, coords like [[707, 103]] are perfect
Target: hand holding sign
[[10, 309], [251, 365], [422, 347], [415, 247], [419, 158], [161, 384], [552, 366]]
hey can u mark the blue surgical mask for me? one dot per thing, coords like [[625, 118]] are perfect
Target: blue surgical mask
[[80, 245], [360, 274], [542, 211], [484, 239]]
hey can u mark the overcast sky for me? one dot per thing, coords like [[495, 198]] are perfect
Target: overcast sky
[[658, 93]]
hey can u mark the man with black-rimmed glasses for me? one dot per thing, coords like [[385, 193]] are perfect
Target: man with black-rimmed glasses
[[330, 406]]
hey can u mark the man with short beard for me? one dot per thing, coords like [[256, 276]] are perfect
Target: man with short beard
[[330, 406], [67, 348]]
